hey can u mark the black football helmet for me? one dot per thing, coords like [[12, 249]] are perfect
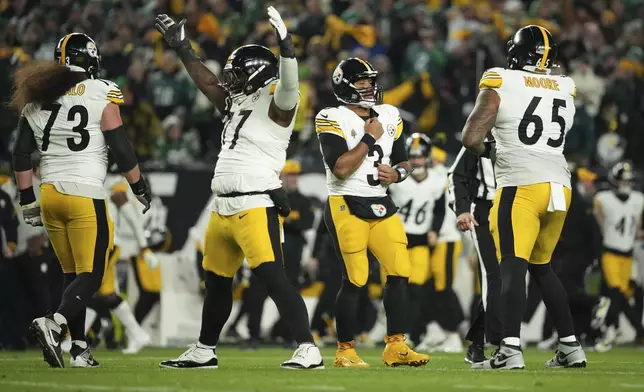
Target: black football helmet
[[621, 172], [350, 71], [248, 69], [80, 50], [419, 145], [533, 47]]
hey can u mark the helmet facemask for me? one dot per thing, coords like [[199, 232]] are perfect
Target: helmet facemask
[[368, 96]]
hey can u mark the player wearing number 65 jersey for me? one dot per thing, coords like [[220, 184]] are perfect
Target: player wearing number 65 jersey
[[528, 110], [71, 118], [364, 153], [249, 203]]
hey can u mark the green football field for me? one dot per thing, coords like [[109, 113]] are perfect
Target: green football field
[[619, 370]]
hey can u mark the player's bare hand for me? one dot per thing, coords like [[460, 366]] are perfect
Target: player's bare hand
[[387, 175], [373, 127], [432, 238], [466, 221]]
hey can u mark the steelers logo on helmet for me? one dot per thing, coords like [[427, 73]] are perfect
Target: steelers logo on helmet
[[337, 75], [91, 49]]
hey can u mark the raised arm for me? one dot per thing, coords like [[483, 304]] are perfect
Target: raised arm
[[175, 35], [284, 104]]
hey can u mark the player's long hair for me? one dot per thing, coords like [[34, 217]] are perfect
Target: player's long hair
[[42, 82]]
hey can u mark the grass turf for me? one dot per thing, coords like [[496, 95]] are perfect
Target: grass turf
[[619, 370]]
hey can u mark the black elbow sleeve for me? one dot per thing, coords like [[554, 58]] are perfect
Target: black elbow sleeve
[[121, 149]]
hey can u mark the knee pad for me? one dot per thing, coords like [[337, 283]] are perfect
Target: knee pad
[[397, 280], [217, 283], [539, 270], [349, 287]]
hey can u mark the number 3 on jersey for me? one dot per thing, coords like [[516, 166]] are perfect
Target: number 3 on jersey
[[54, 108], [244, 114], [376, 150]]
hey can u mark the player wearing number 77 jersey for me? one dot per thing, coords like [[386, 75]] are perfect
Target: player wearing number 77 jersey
[[71, 118], [359, 140], [249, 203], [528, 110]]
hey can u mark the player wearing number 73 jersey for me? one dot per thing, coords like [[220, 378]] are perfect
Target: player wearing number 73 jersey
[[71, 118], [359, 140], [528, 110]]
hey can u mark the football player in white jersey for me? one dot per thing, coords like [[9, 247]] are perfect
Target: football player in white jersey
[[249, 203], [619, 215], [364, 153], [422, 208], [71, 118], [126, 220], [528, 110]]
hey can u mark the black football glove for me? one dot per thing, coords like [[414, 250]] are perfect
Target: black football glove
[[142, 192], [173, 33]]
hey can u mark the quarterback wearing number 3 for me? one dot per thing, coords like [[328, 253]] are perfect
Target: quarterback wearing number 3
[[528, 110], [359, 141]]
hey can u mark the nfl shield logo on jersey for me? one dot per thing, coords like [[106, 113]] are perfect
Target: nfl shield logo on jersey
[[391, 130], [379, 210]]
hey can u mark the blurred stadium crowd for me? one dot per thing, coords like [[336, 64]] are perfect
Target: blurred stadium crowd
[[430, 53]]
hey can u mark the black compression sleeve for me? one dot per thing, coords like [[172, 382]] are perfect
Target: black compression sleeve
[[25, 145], [121, 149], [333, 146], [398, 152], [439, 214]]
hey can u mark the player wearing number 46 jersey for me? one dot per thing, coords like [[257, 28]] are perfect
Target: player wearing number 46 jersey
[[360, 140], [619, 214], [528, 110], [249, 203], [422, 208], [71, 118]]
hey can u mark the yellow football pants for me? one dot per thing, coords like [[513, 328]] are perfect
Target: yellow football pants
[[254, 234], [352, 236], [617, 271], [443, 264], [79, 228], [521, 224]]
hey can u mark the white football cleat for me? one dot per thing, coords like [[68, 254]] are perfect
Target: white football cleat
[[194, 358], [82, 357], [505, 358], [568, 355], [50, 334], [306, 356]]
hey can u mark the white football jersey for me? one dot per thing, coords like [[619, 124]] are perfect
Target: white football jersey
[[535, 113], [620, 219], [416, 200], [343, 122], [69, 137], [252, 155]]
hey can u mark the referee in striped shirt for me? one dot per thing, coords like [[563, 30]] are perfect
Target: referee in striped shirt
[[473, 184]]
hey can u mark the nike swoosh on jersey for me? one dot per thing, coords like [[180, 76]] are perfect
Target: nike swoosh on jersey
[[324, 115], [241, 216]]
